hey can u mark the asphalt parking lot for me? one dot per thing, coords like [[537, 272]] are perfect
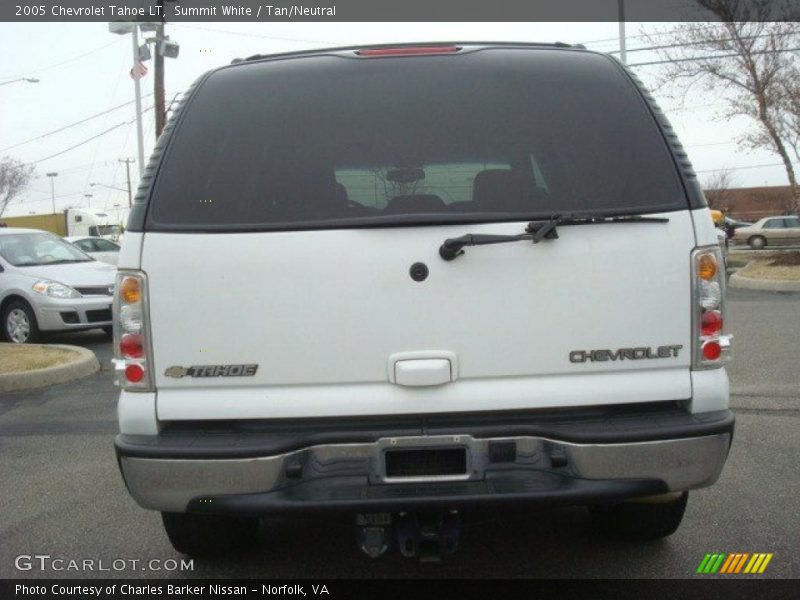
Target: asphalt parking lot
[[63, 496]]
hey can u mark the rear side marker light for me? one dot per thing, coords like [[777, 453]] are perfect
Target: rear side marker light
[[407, 51]]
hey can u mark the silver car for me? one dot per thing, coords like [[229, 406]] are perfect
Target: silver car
[[770, 231], [98, 248], [47, 284]]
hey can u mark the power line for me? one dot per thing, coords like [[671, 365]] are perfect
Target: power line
[[255, 35], [69, 60], [700, 42], [741, 168], [86, 141], [709, 57], [65, 127], [634, 37], [120, 72], [728, 143]]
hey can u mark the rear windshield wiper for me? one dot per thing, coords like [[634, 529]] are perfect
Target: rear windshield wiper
[[536, 231]]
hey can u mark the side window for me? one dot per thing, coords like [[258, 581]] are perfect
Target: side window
[[85, 245], [774, 224], [105, 246], [78, 218], [793, 222]]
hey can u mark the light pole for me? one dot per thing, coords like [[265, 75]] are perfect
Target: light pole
[[88, 200], [28, 79], [52, 177], [121, 28]]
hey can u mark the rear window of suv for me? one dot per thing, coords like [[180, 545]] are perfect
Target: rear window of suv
[[491, 135]]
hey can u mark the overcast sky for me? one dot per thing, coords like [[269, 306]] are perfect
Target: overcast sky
[[83, 70]]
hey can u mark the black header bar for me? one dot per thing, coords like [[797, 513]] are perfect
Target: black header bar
[[266, 11]]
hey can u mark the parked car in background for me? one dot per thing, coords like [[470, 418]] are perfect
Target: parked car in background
[[731, 225], [98, 248], [47, 284], [770, 231]]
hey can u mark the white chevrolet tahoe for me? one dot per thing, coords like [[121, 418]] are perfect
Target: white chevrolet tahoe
[[405, 282]]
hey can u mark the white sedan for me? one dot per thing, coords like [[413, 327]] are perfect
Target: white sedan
[[98, 248]]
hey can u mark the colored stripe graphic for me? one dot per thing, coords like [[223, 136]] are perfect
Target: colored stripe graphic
[[741, 562], [703, 563], [727, 564], [765, 563], [753, 561], [720, 562]]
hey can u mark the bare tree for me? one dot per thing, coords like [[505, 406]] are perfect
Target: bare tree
[[748, 60], [789, 113], [717, 188], [14, 178]]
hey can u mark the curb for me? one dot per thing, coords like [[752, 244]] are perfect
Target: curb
[[84, 364], [766, 285]]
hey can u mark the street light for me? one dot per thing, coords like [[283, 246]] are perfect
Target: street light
[[88, 200], [52, 177], [28, 79]]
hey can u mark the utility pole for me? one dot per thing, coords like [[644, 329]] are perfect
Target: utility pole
[[621, 9], [128, 162], [52, 177], [158, 80]]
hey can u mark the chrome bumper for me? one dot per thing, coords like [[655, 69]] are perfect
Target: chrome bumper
[[171, 485]]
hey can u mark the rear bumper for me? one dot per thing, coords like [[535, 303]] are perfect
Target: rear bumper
[[180, 471]]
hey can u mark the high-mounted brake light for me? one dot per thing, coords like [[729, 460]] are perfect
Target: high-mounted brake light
[[407, 51], [711, 347], [133, 364]]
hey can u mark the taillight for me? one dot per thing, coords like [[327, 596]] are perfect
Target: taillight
[[407, 51], [711, 347], [131, 332]]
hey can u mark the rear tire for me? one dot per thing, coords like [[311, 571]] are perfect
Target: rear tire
[[19, 323], [757, 242], [209, 535], [640, 520]]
